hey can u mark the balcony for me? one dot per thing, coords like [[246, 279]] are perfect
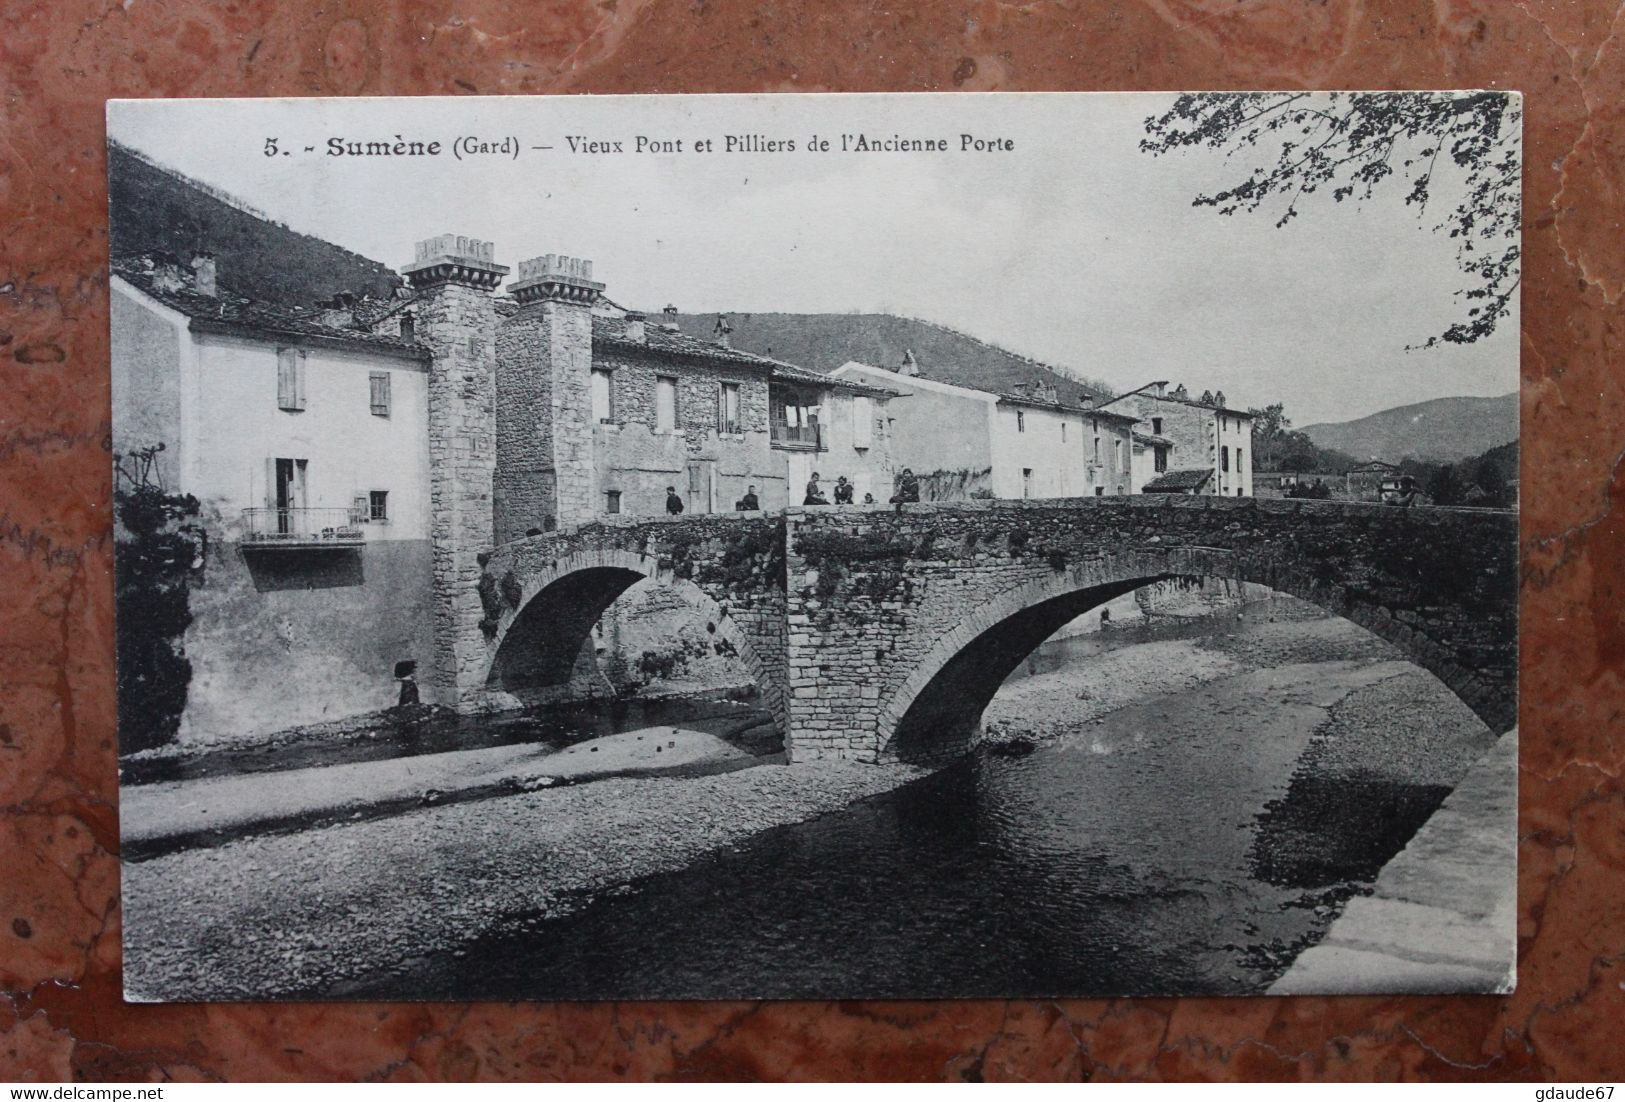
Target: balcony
[[301, 528], [806, 437]]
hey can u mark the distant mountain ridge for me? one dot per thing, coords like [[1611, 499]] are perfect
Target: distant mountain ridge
[[824, 342], [1441, 429]]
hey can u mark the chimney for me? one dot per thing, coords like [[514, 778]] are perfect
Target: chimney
[[339, 311], [722, 334], [635, 327], [165, 270], [1159, 388], [203, 273], [409, 326], [1207, 398], [1180, 392], [556, 278], [1218, 398], [911, 366]]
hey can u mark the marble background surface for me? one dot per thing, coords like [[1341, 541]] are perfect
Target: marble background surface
[[60, 1013]]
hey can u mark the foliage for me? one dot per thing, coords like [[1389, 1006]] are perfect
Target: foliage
[[1278, 447], [159, 555], [1482, 480], [1350, 144], [1316, 490]]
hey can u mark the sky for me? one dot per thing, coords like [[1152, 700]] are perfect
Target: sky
[[1071, 246]]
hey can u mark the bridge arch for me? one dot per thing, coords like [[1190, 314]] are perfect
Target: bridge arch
[[538, 640], [937, 708]]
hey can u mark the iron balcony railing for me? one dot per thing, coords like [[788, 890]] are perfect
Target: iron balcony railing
[[318, 527], [797, 436]]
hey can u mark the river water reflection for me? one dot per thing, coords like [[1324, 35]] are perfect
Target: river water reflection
[[1142, 855]]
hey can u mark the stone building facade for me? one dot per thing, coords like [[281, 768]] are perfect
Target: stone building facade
[[1178, 434], [962, 442]]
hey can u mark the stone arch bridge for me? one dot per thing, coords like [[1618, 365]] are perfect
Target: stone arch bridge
[[877, 634]]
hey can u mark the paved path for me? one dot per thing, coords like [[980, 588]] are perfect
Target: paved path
[[1443, 918], [151, 813]]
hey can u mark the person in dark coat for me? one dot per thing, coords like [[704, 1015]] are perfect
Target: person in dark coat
[[815, 495], [749, 502], [843, 491], [908, 489], [674, 504]]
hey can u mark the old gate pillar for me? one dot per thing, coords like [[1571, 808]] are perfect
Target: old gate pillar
[[455, 279]]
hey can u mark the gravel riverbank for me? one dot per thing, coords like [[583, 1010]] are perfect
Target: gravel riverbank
[[296, 915]]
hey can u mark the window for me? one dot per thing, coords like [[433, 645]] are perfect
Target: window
[[863, 421], [1026, 482], [378, 505], [1097, 449], [612, 501], [603, 397], [1117, 454], [379, 383], [728, 409], [1238, 491], [290, 378], [1021, 421], [1156, 425], [665, 405], [1063, 432], [1161, 458], [1224, 458], [1239, 467], [1100, 491]]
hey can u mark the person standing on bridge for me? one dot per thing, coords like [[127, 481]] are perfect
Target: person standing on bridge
[[674, 504]]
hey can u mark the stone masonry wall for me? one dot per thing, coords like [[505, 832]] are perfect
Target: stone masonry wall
[[458, 323], [730, 566], [524, 482], [879, 602], [567, 329], [875, 631], [641, 463]]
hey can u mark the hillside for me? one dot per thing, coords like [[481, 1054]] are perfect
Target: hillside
[[824, 342], [1442, 429], [155, 209]]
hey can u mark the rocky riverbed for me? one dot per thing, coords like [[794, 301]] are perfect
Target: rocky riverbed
[[1313, 730], [297, 915]]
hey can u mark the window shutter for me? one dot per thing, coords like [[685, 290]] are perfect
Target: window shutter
[[360, 508], [722, 407], [379, 383], [285, 395], [299, 379]]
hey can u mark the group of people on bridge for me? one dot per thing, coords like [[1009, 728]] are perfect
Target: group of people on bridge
[[908, 489]]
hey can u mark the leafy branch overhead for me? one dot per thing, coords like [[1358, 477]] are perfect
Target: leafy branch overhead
[[1350, 144]]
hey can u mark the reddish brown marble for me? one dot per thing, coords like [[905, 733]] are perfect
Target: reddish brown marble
[[60, 1013]]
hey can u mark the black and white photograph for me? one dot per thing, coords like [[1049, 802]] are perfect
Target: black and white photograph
[[816, 546]]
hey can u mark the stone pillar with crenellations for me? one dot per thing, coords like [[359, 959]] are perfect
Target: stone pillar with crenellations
[[545, 419], [455, 279]]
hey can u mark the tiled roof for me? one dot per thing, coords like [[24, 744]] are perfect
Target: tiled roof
[[1175, 481], [1152, 438], [658, 339], [226, 312]]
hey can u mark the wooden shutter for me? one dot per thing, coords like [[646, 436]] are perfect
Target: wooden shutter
[[286, 389], [378, 381]]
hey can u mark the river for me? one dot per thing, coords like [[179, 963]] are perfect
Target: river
[[1206, 797]]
